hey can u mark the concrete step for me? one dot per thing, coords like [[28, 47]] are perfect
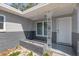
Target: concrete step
[[32, 46]]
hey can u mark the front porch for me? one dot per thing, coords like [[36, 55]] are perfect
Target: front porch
[[37, 46], [54, 27], [55, 39]]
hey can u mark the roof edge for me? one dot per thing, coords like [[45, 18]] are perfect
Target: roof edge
[[10, 8], [34, 8]]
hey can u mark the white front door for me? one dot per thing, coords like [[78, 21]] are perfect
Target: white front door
[[64, 30]]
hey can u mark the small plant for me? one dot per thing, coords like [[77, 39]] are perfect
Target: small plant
[[17, 46], [46, 54], [15, 53], [30, 54]]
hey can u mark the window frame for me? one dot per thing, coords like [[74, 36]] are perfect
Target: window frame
[[4, 27], [42, 29]]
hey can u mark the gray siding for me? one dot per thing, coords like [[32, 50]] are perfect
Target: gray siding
[[15, 25]]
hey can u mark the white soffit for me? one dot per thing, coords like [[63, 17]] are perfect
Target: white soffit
[[56, 9], [37, 12]]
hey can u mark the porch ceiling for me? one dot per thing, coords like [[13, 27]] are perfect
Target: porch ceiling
[[37, 12], [56, 8]]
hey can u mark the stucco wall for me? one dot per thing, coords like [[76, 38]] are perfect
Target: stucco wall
[[15, 25]]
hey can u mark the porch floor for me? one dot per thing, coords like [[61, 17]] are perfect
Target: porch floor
[[37, 46], [67, 49]]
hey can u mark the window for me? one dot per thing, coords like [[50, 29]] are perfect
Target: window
[[45, 28], [2, 22], [41, 29]]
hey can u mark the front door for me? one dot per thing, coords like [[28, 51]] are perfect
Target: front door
[[64, 30]]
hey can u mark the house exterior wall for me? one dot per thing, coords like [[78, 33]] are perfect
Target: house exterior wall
[[75, 31], [19, 28], [16, 27]]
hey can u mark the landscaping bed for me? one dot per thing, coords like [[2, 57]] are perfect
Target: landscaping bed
[[21, 51], [17, 51]]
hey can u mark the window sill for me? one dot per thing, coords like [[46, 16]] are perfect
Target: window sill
[[41, 35]]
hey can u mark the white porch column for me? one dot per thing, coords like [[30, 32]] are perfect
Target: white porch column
[[49, 29], [76, 29]]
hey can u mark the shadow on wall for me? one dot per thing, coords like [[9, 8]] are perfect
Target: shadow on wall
[[15, 27]]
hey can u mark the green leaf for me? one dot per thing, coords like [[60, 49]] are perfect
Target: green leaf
[[30, 54], [15, 53]]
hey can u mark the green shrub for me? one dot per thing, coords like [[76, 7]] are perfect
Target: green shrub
[[45, 54], [15, 53], [17, 46], [30, 54]]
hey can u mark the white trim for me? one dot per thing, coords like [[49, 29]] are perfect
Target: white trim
[[42, 29], [4, 23], [10, 9]]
